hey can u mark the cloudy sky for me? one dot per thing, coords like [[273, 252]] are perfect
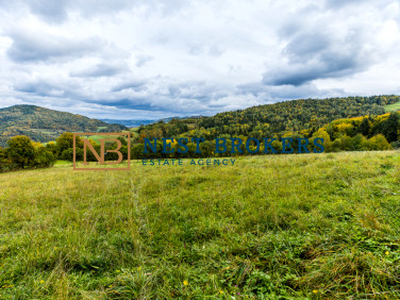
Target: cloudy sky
[[148, 59]]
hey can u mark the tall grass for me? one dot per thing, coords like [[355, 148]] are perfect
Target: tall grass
[[290, 226]]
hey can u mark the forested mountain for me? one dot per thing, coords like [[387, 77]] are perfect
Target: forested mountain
[[294, 116], [303, 116], [42, 124]]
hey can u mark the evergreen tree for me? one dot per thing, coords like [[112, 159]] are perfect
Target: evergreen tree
[[365, 128], [391, 126]]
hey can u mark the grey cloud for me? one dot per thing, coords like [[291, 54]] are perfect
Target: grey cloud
[[342, 3], [139, 103], [152, 95], [330, 65], [182, 98], [343, 6], [101, 70], [254, 88], [135, 85], [28, 47], [305, 91], [202, 48], [58, 11], [142, 103], [317, 55], [105, 7], [215, 50], [305, 46], [289, 28], [45, 88], [50, 11], [272, 94], [339, 3], [196, 91], [143, 59]]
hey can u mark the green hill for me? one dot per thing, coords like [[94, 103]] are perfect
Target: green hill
[[42, 124], [296, 115], [303, 116]]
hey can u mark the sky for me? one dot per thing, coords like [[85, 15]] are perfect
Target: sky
[[150, 59]]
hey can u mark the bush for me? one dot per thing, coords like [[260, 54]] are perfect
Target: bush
[[23, 153], [68, 154], [43, 158], [378, 142], [395, 145]]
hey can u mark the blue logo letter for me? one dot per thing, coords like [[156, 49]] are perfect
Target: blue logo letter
[[218, 144], [319, 145], [248, 145], [284, 145], [152, 147]]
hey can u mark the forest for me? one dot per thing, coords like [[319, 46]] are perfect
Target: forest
[[303, 116]]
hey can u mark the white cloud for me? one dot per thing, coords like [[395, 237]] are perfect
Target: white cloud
[[141, 59]]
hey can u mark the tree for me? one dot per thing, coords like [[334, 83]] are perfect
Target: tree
[[66, 141], [390, 127], [21, 151], [123, 140], [4, 162], [365, 128], [137, 151], [321, 133], [52, 146]]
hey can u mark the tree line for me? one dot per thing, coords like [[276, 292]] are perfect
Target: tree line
[[23, 153]]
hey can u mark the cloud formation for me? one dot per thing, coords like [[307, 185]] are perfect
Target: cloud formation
[[27, 47], [315, 55], [152, 59]]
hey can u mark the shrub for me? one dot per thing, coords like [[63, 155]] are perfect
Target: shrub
[[43, 158], [21, 151]]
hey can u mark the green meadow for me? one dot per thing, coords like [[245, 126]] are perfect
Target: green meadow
[[393, 107], [310, 226]]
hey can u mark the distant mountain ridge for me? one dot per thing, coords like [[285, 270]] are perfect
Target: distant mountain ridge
[[43, 124], [129, 123], [136, 123]]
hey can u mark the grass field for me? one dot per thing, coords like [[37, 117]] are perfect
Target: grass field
[[309, 226], [393, 107], [96, 138]]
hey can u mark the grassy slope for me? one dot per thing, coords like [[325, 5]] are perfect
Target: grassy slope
[[393, 107], [311, 226]]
